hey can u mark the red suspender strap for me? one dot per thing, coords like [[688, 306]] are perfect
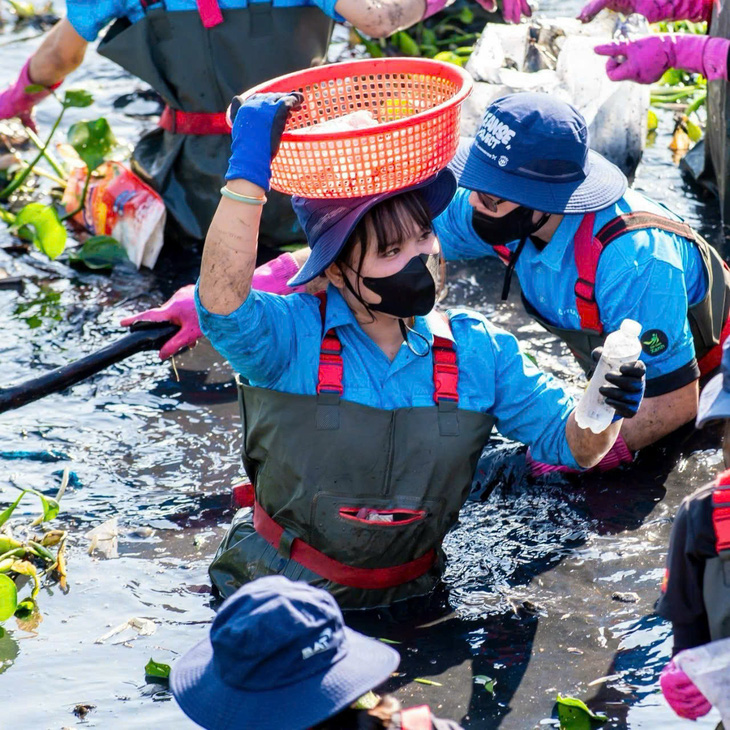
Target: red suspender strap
[[329, 377], [445, 370], [587, 252], [333, 570], [711, 361], [416, 718], [721, 513], [588, 249], [195, 123], [210, 13]]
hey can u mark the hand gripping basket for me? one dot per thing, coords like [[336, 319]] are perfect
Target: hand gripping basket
[[417, 103]]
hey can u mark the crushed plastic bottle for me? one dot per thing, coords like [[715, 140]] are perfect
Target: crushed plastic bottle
[[620, 347], [119, 204]]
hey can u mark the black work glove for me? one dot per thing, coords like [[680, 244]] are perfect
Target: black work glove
[[626, 388]]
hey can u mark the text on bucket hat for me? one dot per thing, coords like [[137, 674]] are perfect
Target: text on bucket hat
[[533, 149], [278, 657]]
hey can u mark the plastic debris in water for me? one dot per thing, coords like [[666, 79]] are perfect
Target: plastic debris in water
[[44, 456], [142, 627], [104, 538]]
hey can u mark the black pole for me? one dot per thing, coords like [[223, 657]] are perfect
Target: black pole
[[143, 336]]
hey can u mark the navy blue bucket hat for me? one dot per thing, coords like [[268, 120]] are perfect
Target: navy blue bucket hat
[[328, 222], [532, 149], [715, 397], [278, 657]]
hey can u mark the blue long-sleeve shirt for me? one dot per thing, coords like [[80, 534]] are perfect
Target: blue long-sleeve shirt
[[274, 342], [89, 17], [650, 276]]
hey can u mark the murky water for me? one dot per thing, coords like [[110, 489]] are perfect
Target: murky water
[[533, 565]]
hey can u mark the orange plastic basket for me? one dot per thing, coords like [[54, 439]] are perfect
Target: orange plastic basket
[[417, 103]]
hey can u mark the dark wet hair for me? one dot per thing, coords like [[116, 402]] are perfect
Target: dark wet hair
[[376, 719], [388, 223]]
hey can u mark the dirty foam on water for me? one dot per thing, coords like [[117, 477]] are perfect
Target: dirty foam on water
[[533, 567]]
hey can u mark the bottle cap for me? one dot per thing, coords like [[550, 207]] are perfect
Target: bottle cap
[[631, 328]]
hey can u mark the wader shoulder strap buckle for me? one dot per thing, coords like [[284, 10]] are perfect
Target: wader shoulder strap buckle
[[210, 13], [330, 373], [721, 522], [446, 384]]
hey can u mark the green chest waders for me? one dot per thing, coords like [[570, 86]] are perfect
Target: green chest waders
[[709, 321], [351, 498], [198, 64]]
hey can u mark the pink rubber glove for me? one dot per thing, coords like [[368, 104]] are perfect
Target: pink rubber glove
[[512, 10], [645, 60], [15, 102], [617, 455], [435, 6], [180, 308], [681, 694], [653, 10]]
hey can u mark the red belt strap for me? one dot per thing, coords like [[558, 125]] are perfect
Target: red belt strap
[[416, 718], [196, 123], [711, 361], [333, 570]]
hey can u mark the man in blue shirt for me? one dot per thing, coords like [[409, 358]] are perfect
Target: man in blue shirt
[[197, 54], [589, 253]]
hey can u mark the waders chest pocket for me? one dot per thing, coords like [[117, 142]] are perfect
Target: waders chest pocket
[[382, 517]]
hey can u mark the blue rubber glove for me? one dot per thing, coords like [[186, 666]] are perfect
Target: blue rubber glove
[[258, 123], [627, 387]]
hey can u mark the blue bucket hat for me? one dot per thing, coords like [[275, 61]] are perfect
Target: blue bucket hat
[[532, 149], [715, 397], [278, 657], [328, 222]]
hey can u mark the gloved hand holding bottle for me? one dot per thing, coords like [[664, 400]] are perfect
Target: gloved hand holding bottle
[[646, 59], [653, 10], [681, 693]]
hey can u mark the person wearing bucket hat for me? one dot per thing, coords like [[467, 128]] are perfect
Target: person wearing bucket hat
[[696, 587], [280, 657], [364, 410], [589, 253]]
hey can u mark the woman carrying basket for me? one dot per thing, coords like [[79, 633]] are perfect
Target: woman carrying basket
[[364, 411]]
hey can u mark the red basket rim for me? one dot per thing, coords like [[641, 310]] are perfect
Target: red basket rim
[[395, 64]]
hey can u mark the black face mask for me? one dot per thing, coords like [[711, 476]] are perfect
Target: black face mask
[[514, 226], [409, 292]]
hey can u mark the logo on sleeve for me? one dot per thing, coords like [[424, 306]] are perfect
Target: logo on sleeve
[[654, 342]]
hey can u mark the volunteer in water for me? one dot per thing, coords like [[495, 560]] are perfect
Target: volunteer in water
[[364, 411]]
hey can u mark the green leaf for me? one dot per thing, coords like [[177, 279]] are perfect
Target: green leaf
[[5, 515], [428, 37], [487, 682], [93, 141], [100, 252], [450, 57], [466, 16], [77, 99], [8, 597], [653, 120], [25, 608], [34, 89], [47, 231], [429, 682], [574, 715], [407, 45], [694, 131], [389, 641], [156, 671]]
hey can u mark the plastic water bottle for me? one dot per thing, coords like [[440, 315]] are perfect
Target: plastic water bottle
[[620, 347]]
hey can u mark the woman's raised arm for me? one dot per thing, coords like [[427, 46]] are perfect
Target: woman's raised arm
[[229, 256]]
